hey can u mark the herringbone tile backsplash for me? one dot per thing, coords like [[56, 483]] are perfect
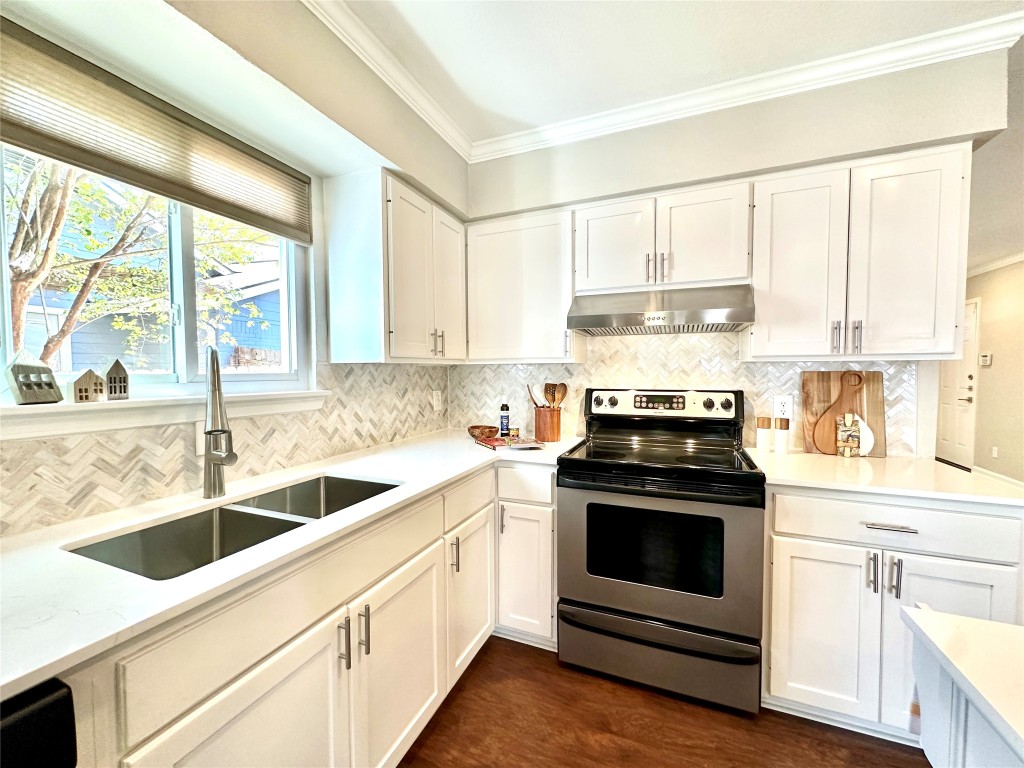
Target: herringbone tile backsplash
[[707, 360], [47, 481], [51, 480]]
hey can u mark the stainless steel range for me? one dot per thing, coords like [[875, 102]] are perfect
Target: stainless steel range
[[661, 544]]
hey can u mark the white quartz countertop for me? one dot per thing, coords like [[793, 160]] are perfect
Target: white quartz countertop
[[58, 609], [896, 475], [985, 660]]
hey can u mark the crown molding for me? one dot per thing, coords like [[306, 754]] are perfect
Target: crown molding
[[993, 265], [338, 18], [983, 36]]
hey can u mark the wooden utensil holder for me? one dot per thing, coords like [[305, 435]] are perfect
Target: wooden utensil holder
[[547, 424]]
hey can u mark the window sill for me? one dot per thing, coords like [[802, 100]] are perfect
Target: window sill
[[20, 422]]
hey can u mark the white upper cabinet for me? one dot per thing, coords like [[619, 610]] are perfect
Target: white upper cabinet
[[799, 266], [867, 261], [519, 278], [704, 235], [906, 226], [615, 245], [426, 278]]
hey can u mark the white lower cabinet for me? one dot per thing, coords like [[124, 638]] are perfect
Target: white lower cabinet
[[291, 710], [398, 671], [469, 589], [837, 640], [825, 626], [525, 543]]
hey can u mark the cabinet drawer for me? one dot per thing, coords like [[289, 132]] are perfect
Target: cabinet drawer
[[463, 500], [167, 677], [975, 537], [526, 484]]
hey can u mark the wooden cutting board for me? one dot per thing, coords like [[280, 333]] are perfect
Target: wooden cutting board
[[828, 394]]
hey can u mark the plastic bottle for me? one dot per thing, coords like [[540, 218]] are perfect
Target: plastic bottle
[[503, 420]]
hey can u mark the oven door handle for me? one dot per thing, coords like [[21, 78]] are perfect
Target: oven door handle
[[733, 497], [661, 636]]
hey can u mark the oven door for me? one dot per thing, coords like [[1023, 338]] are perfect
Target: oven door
[[687, 562]]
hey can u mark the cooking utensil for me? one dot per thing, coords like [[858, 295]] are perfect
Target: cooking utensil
[[549, 394], [533, 399], [560, 392]]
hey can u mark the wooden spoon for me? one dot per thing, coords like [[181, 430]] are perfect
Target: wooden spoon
[[549, 394], [560, 392], [533, 399]]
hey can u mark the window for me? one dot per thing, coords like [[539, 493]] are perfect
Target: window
[[99, 270]]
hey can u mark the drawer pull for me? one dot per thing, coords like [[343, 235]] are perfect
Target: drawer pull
[[893, 528], [346, 655]]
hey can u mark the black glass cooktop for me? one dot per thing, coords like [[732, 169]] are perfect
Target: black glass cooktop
[[660, 455]]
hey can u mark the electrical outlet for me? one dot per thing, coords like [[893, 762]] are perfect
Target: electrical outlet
[[783, 407], [995, 452], [438, 405]]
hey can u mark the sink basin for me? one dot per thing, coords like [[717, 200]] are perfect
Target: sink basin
[[319, 497], [179, 546]]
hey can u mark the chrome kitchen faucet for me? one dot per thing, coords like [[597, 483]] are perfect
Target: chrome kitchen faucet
[[219, 453]]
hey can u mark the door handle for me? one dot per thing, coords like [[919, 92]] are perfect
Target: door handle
[[664, 267], [567, 343], [366, 642], [837, 329], [456, 549], [966, 399], [873, 578], [858, 337], [441, 338], [347, 644], [433, 336], [888, 527], [647, 270], [898, 589], [501, 521]]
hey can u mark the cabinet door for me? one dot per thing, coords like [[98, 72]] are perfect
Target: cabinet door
[[952, 586], [826, 621], [470, 589], [291, 710], [520, 287], [615, 245], [799, 264], [410, 272], [906, 222], [398, 675], [524, 567], [704, 235], [450, 285]]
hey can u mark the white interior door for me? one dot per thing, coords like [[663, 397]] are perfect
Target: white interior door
[[977, 590], [411, 272], [470, 589], [615, 245], [826, 621], [524, 567], [958, 395]]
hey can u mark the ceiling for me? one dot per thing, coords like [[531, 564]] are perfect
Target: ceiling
[[499, 69]]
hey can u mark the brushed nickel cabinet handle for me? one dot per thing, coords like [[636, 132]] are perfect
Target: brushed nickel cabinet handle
[[837, 329], [567, 343], [890, 527], [873, 583], [858, 337], [433, 337], [664, 265], [347, 644], [647, 270], [366, 642], [455, 549], [501, 523], [899, 579], [441, 338]]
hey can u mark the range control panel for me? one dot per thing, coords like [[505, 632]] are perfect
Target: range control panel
[[717, 404]]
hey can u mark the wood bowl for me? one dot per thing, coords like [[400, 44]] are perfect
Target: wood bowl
[[478, 431]]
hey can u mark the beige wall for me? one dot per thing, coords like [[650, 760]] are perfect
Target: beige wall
[[286, 41], [1000, 415], [958, 98]]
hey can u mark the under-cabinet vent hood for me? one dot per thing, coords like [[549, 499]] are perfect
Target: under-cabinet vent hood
[[682, 310]]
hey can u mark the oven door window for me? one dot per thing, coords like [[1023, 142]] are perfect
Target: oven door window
[[671, 550]]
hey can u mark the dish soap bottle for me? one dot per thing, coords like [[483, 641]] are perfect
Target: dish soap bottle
[[503, 420]]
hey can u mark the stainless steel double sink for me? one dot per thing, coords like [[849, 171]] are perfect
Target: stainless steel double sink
[[179, 546]]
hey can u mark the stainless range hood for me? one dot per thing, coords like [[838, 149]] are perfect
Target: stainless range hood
[[680, 310]]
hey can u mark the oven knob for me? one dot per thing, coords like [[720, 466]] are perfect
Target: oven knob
[[726, 404], [613, 401], [598, 401], [709, 404]]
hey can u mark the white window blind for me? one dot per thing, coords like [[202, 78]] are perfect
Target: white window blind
[[60, 105]]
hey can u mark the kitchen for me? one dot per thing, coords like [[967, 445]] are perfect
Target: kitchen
[[367, 400]]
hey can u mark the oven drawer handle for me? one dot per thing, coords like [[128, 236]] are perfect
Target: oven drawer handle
[[661, 636], [890, 527]]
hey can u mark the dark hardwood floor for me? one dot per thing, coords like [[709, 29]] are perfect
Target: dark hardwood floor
[[517, 706]]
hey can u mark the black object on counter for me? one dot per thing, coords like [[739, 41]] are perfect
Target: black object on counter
[[37, 727]]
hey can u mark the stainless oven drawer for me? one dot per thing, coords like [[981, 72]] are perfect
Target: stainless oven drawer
[[706, 667]]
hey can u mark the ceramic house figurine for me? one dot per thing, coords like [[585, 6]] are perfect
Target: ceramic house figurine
[[31, 382], [88, 388], [117, 382]]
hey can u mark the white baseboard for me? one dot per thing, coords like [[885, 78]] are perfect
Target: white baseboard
[[997, 476], [840, 721], [526, 638]]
